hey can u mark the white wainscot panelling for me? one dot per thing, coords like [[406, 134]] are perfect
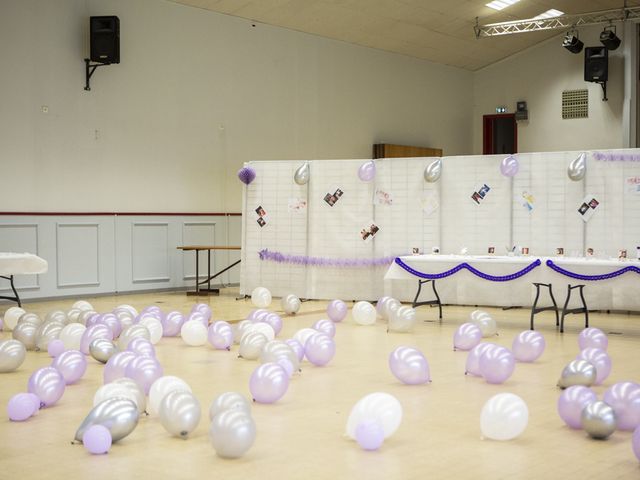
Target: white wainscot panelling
[[77, 246], [20, 238], [198, 233], [150, 252]]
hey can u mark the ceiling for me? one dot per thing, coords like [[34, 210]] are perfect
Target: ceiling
[[436, 30]]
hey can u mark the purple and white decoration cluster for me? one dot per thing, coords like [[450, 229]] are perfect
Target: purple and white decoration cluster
[[616, 157], [267, 255]]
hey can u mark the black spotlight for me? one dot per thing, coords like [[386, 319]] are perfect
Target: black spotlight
[[609, 39], [572, 43]]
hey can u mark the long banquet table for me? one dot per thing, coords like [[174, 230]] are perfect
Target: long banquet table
[[462, 287]]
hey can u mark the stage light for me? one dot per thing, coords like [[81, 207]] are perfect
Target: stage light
[[609, 39], [572, 43]]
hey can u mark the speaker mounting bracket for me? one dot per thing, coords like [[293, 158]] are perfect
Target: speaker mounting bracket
[[89, 68], [604, 91]]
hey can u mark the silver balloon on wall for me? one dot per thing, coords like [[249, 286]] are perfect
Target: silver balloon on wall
[[578, 168], [302, 174], [433, 171]]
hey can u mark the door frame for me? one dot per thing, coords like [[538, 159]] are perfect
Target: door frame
[[487, 131]]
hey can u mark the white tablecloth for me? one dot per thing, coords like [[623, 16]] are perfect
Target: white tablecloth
[[465, 288], [21, 263]]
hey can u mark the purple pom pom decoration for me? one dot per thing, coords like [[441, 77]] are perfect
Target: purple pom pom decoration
[[246, 175]]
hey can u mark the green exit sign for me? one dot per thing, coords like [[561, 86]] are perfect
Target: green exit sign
[[501, 109]]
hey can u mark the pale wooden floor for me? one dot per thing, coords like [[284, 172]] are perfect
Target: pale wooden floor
[[302, 435]]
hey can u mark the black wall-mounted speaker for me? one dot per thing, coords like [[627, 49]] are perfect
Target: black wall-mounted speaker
[[105, 39], [596, 64]]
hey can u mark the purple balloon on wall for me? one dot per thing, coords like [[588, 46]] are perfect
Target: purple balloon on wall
[[71, 364], [246, 175], [509, 166], [571, 403], [48, 384], [319, 349], [497, 364], [268, 383], [171, 324], [337, 310], [467, 336], [624, 398], [593, 338], [473, 358], [370, 434], [22, 406], [528, 346], [367, 171]]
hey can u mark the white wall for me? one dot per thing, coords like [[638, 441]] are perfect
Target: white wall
[[196, 95], [539, 75]]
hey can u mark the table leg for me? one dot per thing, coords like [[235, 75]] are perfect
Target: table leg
[[208, 270], [197, 272]]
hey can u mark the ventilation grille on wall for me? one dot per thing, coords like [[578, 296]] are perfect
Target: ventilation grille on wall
[[575, 104]]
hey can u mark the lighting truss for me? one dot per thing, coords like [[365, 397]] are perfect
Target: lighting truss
[[562, 22]]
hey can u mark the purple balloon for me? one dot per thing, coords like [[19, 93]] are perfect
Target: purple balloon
[[71, 364], [154, 309], [367, 171], [599, 359], [274, 320], [509, 166], [22, 406], [97, 439], [1, 324], [593, 338], [93, 320], [257, 314], [116, 365], [337, 310], [220, 335], [369, 434], [204, 309], [287, 365], [410, 366], [198, 317], [171, 324], [467, 336], [325, 326], [268, 383], [296, 346], [94, 332], [571, 403], [142, 347], [528, 346], [624, 398], [635, 443], [55, 347], [497, 364], [319, 349], [473, 358], [144, 371], [48, 384], [111, 321], [246, 175]]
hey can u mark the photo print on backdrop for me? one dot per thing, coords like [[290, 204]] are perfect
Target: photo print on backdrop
[[368, 231], [588, 207], [382, 197], [480, 193], [527, 201], [297, 205], [262, 216], [632, 185], [332, 198]]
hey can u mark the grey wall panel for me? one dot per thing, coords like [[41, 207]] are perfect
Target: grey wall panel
[[20, 238]]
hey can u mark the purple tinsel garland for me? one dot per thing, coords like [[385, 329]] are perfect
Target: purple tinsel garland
[[588, 278], [476, 272], [278, 257], [616, 157]]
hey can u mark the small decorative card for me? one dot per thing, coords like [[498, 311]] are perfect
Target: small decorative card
[[369, 231], [382, 197], [588, 207], [262, 218], [332, 198], [481, 192], [297, 205]]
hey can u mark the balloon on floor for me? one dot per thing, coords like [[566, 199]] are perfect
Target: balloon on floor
[[504, 417]]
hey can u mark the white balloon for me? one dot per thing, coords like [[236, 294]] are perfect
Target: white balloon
[[128, 308], [402, 320], [132, 332], [379, 406], [55, 315], [136, 391], [229, 401], [11, 317], [290, 303], [82, 305], [504, 417], [476, 314], [261, 297], [390, 306], [264, 328], [194, 333], [162, 387], [238, 329], [276, 350], [73, 315], [364, 313], [113, 390], [180, 412], [487, 325], [155, 328], [303, 335], [71, 336], [251, 345]]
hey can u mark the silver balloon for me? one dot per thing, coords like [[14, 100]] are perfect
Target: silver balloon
[[251, 345], [578, 372], [12, 354], [26, 333], [134, 331], [57, 315], [47, 332], [302, 174], [101, 349], [290, 304], [433, 171], [229, 401], [598, 420], [402, 320], [578, 168], [276, 350], [232, 433], [179, 413], [119, 415], [30, 318]]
